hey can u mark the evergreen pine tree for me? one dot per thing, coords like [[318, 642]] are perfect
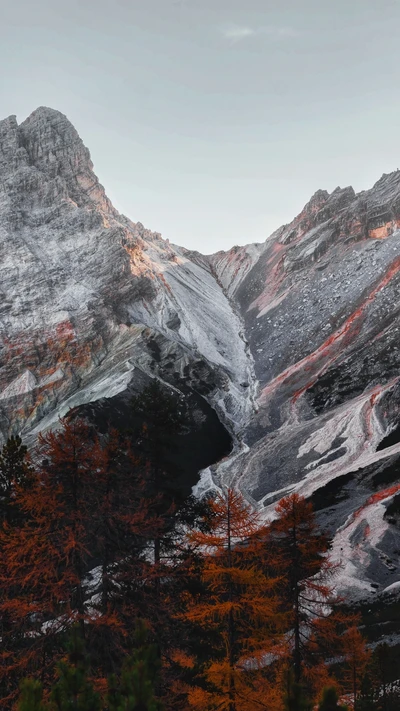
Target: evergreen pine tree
[[295, 698], [368, 691], [163, 416], [73, 690], [330, 700], [124, 521], [15, 470], [135, 690], [384, 669], [31, 696]]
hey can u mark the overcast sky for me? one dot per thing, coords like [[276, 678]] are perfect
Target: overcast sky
[[213, 121]]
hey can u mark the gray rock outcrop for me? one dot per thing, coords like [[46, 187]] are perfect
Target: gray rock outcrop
[[294, 342]]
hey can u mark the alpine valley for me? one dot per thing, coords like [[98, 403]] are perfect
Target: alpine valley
[[288, 351]]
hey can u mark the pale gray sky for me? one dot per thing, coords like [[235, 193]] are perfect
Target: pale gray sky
[[213, 121]]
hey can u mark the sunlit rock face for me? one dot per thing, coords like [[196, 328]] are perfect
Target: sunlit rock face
[[88, 298], [294, 342]]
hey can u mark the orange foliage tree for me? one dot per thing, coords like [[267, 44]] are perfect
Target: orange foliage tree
[[78, 508], [15, 473], [90, 542], [43, 564], [356, 657], [237, 610], [297, 551]]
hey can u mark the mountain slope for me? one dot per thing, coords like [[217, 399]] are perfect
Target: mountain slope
[[321, 311], [87, 295], [294, 342]]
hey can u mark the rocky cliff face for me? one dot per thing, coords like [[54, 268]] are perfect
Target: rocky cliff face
[[322, 317], [87, 296], [294, 342]]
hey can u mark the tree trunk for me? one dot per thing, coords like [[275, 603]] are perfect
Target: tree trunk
[[355, 684], [77, 558], [105, 584], [231, 621], [157, 551], [297, 652]]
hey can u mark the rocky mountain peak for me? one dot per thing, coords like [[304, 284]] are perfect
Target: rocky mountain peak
[[43, 162], [55, 148], [316, 201], [85, 293], [9, 144], [52, 143], [46, 113], [294, 341]]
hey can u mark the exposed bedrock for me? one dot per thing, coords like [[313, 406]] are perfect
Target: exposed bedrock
[[293, 343], [87, 295], [321, 311]]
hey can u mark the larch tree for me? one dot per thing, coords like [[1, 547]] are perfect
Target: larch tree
[[237, 610], [356, 657], [16, 473], [44, 562], [86, 507], [297, 551]]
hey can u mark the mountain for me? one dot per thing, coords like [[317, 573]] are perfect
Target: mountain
[[88, 296], [294, 342]]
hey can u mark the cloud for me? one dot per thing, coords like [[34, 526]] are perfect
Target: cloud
[[235, 34], [238, 33]]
